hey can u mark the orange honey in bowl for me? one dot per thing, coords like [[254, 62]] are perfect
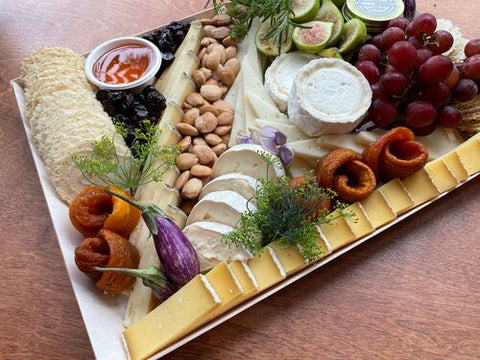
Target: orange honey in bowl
[[123, 64]]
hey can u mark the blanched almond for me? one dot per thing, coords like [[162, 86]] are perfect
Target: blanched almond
[[195, 99], [185, 161], [201, 171], [204, 154], [181, 180], [219, 149], [190, 115], [211, 92], [185, 143], [213, 139], [206, 123], [225, 118], [187, 130], [192, 188]]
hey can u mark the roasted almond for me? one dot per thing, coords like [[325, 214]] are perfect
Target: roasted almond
[[195, 99], [201, 171], [187, 205], [227, 76], [223, 130], [222, 19], [206, 72], [187, 130], [219, 149], [190, 115], [213, 139], [226, 138], [212, 81], [228, 41], [192, 188], [185, 161], [208, 30], [181, 180], [210, 108], [202, 54], [212, 60], [198, 78], [220, 32], [208, 21], [215, 46], [204, 154], [197, 140], [185, 143], [206, 123], [225, 118], [234, 64], [230, 52], [211, 92], [223, 106]]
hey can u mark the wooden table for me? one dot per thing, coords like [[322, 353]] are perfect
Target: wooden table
[[411, 293]]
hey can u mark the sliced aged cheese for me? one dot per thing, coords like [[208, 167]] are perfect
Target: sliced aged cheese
[[224, 207], [292, 132], [397, 196], [360, 226], [239, 124], [172, 319], [281, 73], [377, 209], [206, 238], [244, 185], [420, 187], [247, 159], [469, 155], [243, 274], [453, 162], [328, 96], [289, 257], [266, 268], [337, 232]]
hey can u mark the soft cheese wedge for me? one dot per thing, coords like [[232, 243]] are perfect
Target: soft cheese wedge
[[244, 185], [328, 96], [247, 159], [225, 207], [206, 238], [281, 73]]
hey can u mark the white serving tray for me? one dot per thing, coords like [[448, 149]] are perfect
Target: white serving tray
[[102, 315]]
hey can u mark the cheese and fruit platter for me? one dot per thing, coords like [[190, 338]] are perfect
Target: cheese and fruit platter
[[195, 169]]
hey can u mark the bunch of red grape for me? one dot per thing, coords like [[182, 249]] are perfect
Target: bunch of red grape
[[413, 84]]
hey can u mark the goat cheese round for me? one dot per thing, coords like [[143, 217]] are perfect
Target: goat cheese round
[[243, 185], [328, 96], [206, 238], [281, 73]]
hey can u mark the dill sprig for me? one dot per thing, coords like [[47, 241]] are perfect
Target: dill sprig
[[242, 12], [285, 213], [105, 166]]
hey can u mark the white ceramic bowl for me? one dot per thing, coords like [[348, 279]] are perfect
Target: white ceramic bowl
[[137, 85]]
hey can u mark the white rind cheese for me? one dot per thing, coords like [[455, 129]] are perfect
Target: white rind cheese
[[246, 159], [206, 238], [292, 132], [281, 73], [225, 207], [244, 185], [328, 96]]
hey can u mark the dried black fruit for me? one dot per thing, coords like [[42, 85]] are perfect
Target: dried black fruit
[[140, 112], [175, 25], [155, 102], [149, 37], [109, 107], [102, 94]]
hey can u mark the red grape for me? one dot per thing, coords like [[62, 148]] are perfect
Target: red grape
[[436, 69], [390, 36], [409, 30], [399, 22], [450, 117], [393, 83], [424, 131], [438, 95], [369, 70], [377, 41], [418, 43], [472, 48], [422, 56], [377, 92], [402, 55], [369, 52], [440, 42], [466, 89], [382, 112], [453, 78], [471, 67], [420, 114], [424, 24]]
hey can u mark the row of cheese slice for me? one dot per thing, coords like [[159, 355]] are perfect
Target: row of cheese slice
[[226, 285]]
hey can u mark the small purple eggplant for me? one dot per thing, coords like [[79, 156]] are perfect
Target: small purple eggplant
[[176, 253]]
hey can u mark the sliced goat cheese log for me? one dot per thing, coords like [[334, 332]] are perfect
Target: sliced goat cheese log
[[281, 73], [328, 96], [244, 185], [225, 207], [247, 159], [206, 238]]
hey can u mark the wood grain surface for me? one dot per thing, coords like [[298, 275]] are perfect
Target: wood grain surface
[[410, 293]]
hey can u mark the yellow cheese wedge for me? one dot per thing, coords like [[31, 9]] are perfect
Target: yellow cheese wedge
[[469, 155], [441, 175], [455, 165], [184, 85], [322, 243], [266, 269], [378, 210], [170, 320], [177, 215], [361, 226], [397, 196], [337, 232], [243, 274], [420, 187], [289, 257]]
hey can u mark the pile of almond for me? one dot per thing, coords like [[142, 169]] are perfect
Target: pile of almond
[[207, 120]]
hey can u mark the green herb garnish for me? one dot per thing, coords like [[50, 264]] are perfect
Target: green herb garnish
[[107, 167], [242, 12], [288, 214]]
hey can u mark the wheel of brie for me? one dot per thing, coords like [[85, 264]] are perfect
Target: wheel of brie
[[328, 96]]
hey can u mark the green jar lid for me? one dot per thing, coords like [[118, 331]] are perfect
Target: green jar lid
[[375, 11]]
